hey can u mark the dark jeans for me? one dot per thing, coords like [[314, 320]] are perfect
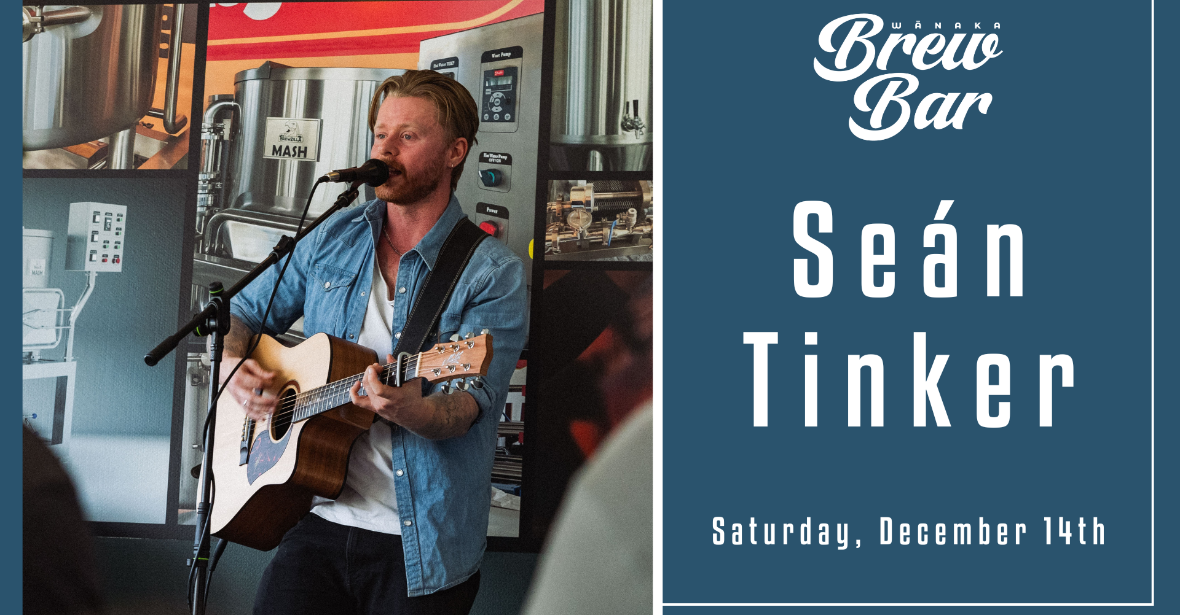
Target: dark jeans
[[323, 568]]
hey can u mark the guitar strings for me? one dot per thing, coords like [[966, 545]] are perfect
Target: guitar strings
[[308, 400], [330, 394], [325, 392]]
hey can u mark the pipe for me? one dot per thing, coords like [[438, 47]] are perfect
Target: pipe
[[121, 150], [617, 196], [213, 224], [172, 123], [57, 319], [92, 277], [34, 23], [66, 16], [281, 223], [212, 160], [211, 181]]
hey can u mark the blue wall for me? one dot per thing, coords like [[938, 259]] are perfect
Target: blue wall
[[129, 312]]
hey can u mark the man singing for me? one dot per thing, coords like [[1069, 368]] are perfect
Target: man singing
[[407, 532]]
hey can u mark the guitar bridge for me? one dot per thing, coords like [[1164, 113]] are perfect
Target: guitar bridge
[[244, 446]]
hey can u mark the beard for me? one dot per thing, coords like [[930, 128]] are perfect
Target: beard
[[403, 188]]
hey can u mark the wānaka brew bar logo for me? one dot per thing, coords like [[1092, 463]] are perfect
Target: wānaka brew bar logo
[[949, 51]]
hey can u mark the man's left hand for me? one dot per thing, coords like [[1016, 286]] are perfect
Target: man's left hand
[[435, 417]]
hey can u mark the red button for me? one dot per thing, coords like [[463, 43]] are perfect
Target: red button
[[490, 228]]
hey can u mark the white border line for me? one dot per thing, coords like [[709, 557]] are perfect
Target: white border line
[[753, 604], [658, 397], [657, 491], [1153, 302]]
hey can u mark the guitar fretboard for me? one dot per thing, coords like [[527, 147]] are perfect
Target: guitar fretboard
[[335, 394]]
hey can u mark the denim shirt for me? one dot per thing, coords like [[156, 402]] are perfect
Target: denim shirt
[[442, 486]]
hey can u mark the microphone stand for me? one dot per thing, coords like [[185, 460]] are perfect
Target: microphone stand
[[214, 321]]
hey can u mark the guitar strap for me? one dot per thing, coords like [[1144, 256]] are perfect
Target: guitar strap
[[439, 284]]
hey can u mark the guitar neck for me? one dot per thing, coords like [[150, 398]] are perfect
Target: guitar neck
[[457, 359], [335, 394]]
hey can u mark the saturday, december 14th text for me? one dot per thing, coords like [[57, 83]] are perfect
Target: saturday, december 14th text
[[891, 532]]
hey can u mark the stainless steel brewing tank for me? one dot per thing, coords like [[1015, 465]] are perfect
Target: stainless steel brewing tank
[[332, 102], [602, 66], [88, 80]]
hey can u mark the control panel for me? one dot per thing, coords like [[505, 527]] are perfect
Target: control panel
[[499, 94], [97, 237], [500, 65], [500, 89]]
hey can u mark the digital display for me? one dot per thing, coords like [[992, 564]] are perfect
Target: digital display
[[499, 94]]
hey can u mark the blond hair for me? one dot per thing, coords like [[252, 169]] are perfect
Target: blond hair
[[457, 113]]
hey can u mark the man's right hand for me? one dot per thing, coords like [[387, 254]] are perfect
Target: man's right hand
[[251, 387]]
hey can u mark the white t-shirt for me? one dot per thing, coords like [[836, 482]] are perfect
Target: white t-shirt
[[368, 499]]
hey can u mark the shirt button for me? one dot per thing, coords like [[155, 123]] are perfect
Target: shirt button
[[362, 293], [399, 472], [327, 285], [407, 523], [402, 289], [350, 336], [397, 336]]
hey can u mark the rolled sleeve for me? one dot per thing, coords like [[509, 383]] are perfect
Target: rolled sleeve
[[500, 305]]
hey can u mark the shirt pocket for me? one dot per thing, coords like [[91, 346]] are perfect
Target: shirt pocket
[[331, 279], [327, 298]]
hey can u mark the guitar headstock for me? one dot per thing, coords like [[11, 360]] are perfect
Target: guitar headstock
[[469, 357]]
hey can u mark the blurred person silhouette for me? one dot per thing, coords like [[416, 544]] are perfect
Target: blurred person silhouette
[[60, 576], [594, 334], [598, 556]]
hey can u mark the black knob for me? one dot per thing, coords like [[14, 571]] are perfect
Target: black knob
[[491, 177]]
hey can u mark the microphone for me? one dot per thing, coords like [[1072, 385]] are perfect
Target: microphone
[[374, 172]]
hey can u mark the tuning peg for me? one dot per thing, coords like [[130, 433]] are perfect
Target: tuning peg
[[446, 389], [468, 335], [483, 331], [477, 382], [454, 337], [462, 384]]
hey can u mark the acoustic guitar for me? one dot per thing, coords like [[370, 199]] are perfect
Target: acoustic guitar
[[266, 472]]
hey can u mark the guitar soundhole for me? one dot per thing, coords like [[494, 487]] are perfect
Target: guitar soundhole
[[280, 421]]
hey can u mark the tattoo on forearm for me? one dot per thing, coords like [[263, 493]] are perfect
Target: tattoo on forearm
[[452, 416], [238, 340]]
